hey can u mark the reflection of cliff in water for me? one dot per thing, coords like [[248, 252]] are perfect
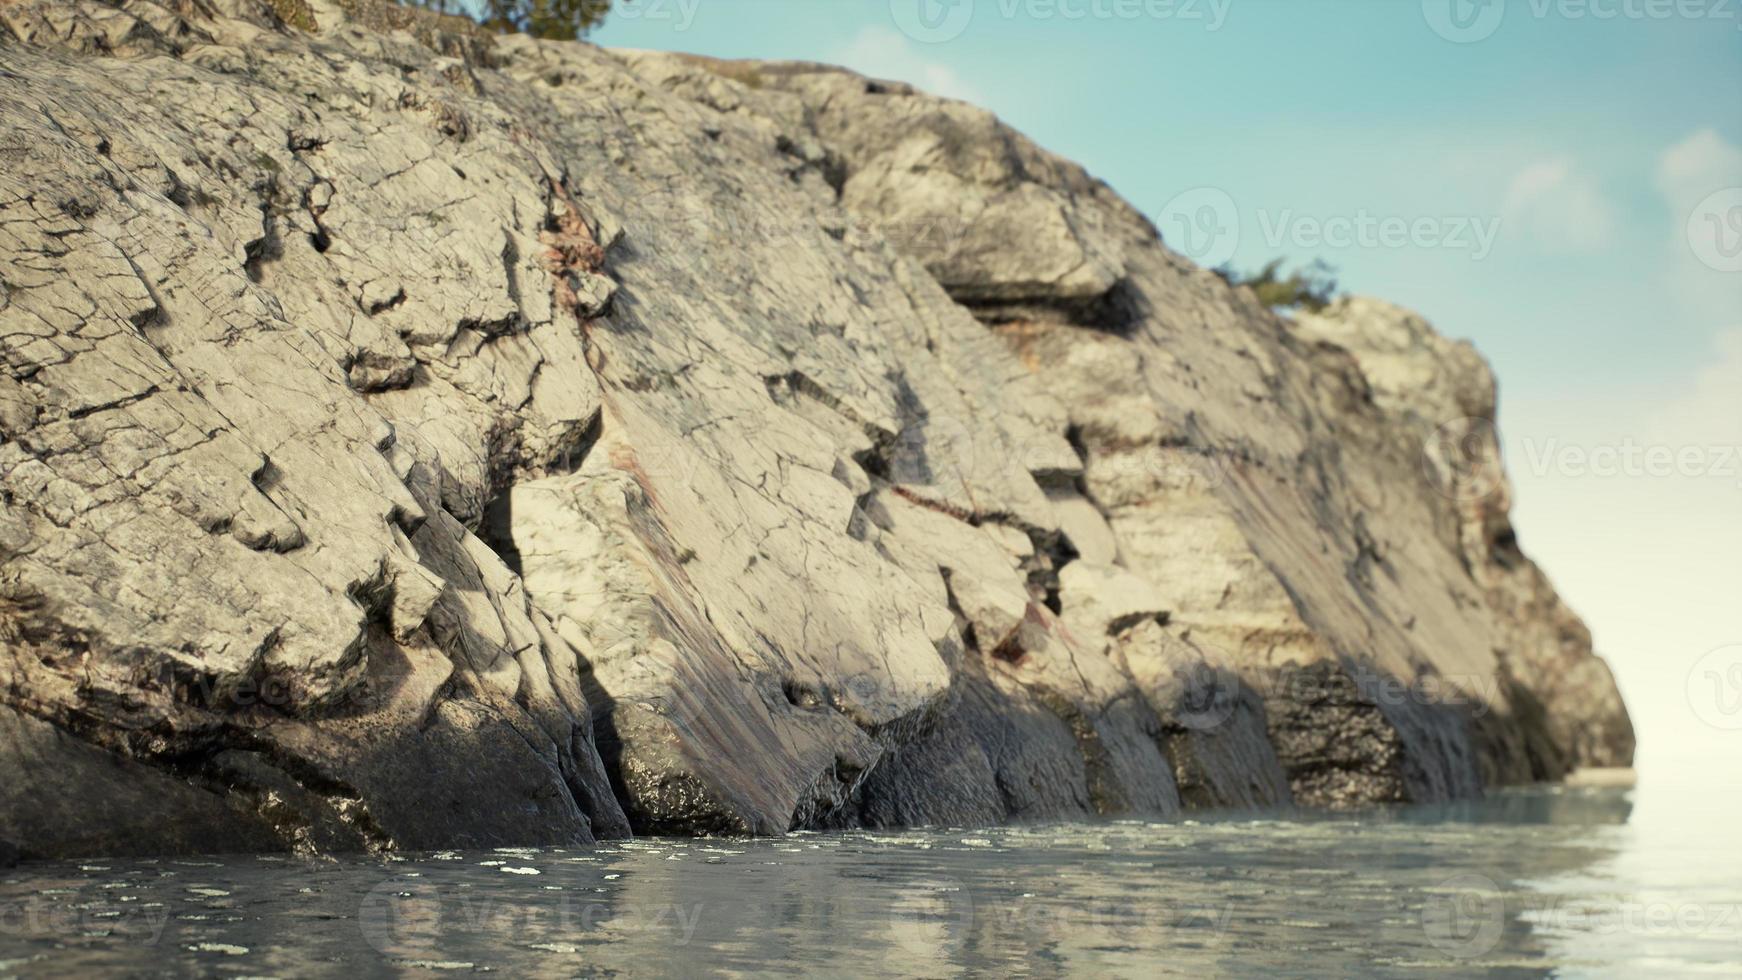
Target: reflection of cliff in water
[[1388, 892], [1462, 887], [1538, 805]]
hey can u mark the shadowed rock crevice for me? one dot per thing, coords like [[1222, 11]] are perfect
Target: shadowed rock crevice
[[1118, 311]]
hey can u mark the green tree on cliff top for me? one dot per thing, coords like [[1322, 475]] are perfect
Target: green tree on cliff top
[[1311, 287], [557, 19]]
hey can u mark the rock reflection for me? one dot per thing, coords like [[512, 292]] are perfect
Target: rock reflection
[[1460, 887]]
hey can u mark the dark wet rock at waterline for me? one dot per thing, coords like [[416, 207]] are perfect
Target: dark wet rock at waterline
[[423, 439]]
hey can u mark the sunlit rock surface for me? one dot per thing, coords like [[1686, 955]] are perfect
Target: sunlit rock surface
[[414, 438]]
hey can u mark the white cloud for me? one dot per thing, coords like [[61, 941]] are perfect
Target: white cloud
[[1687, 174], [1558, 208], [1710, 410], [882, 52], [1694, 168]]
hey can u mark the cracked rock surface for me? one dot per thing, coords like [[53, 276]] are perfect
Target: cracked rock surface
[[411, 438]]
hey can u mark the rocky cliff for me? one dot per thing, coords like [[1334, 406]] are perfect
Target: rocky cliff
[[413, 438]]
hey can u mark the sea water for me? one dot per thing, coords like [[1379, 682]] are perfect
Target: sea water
[[1560, 881]]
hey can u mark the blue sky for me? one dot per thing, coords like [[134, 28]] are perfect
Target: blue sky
[[1583, 135]]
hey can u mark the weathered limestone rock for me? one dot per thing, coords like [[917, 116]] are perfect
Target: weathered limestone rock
[[1244, 466], [1441, 394], [230, 582], [415, 439]]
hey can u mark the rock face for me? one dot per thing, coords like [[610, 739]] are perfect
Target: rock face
[[418, 439]]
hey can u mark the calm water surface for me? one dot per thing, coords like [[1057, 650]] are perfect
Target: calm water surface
[[1540, 882]]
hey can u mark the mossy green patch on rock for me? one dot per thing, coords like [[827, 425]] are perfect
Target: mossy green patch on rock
[[294, 13]]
